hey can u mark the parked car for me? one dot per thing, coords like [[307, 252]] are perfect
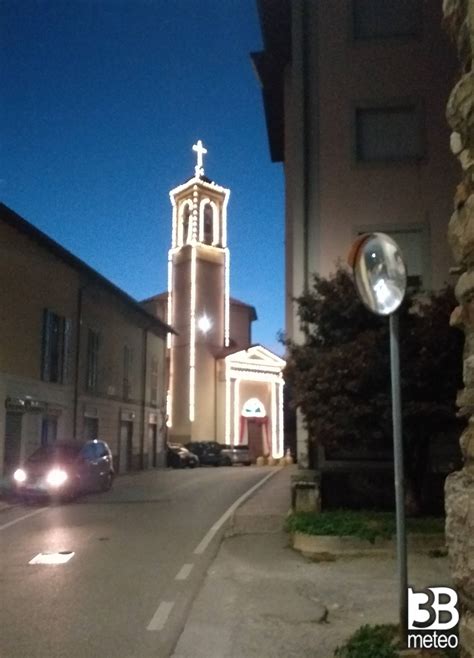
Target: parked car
[[65, 469], [208, 452], [231, 455], [180, 457]]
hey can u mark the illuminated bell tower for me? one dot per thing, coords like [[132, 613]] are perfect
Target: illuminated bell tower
[[198, 303]]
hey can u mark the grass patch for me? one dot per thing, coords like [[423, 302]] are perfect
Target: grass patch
[[363, 524], [380, 641]]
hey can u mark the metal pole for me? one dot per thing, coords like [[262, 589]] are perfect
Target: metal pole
[[399, 477]]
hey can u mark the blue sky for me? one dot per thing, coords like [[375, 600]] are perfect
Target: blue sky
[[101, 103]]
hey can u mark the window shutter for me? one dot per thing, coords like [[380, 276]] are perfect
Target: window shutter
[[66, 350], [46, 347]]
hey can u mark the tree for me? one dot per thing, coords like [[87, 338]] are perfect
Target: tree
[[340, 374]]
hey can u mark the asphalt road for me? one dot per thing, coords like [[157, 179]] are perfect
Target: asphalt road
[[140, 555]]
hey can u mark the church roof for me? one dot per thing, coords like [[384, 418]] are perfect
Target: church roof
[[163, 296], [237, 302], [203, 178], [153, 298]]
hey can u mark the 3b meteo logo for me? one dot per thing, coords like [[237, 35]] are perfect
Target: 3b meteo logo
[[432, 612]]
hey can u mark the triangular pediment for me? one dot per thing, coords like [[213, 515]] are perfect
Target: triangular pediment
[[257, 355]]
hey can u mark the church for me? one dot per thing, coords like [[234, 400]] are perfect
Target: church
[[221, 386]]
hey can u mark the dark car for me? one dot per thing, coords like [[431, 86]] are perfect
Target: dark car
[[180, 457], [231, 455], [208, 452], [65, 469]]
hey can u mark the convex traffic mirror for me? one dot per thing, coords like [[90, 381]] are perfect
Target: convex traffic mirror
[[379, 272]]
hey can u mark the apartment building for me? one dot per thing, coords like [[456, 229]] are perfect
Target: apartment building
[[79, 358], [354, 94]]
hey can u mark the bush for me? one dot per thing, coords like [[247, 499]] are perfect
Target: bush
[[365, 525], [340, 376], [371, 642]]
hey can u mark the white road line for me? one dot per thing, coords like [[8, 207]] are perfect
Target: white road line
[[184, 572], [22, 518], [160, 617], [204, 543]]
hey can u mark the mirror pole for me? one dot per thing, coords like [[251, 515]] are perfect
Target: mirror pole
[[399, 475]]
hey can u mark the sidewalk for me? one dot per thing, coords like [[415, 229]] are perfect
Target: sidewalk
[[261, 599]]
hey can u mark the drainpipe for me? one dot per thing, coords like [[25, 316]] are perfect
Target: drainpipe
[[144, 379], [77, 360]]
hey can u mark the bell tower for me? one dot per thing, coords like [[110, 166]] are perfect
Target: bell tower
[[198, 303]]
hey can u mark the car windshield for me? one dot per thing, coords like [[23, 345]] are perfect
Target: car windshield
[[63, 453]]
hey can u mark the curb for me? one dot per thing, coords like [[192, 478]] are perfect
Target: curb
[[327, 547]]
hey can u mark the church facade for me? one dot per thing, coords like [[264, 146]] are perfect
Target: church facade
[[221, 386]]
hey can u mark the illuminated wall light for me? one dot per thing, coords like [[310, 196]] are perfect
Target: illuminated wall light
[[273, 420], [256, 367], [170, 298], [224, 216], [192, 338], [195, 215], [252, 376], [236, 438], [203, 184], [174, 235], [169, 339], [227, 403], [204, 324], [281, 425], [168, 410], [226, 298]]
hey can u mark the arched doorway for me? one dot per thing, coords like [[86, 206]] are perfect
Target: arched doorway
[[254, 428]]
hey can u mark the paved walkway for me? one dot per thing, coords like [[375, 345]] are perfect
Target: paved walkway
[[262, 599]]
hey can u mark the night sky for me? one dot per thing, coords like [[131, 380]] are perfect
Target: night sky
[[101, 103]]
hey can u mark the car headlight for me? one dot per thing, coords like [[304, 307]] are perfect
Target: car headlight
[[56, 477], [19, 475]]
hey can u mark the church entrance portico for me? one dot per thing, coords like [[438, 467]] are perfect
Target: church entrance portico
[[254, 401]]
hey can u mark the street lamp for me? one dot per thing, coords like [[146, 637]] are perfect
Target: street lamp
[[381, 278]]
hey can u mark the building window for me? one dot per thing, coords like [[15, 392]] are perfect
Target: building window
[[49, 430], [154, 381], [208, 223], [389, 133], [55, 347], [92, 359], [185, 224], [127, 360], [91, 428], [381, 19]]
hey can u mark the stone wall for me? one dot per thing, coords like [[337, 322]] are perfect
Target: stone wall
[[459, 20]]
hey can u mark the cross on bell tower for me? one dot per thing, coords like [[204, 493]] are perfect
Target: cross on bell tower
[[200, 150]]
